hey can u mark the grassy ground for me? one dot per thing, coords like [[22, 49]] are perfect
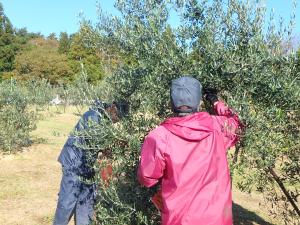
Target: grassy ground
[[29, 181]]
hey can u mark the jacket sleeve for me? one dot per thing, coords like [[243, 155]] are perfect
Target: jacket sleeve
[[228, 123], [152, 162]]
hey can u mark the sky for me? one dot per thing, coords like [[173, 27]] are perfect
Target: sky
[[48, 16]]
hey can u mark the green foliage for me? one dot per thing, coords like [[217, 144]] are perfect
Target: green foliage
[[64, 43], [27, 56], [11, 41], [7, 45], [120, 200], [22, 36], [57, 61], [40, 60], [81, 53], [17, 120], [21, 102], [225, 47], [298, 59], [52, 36]]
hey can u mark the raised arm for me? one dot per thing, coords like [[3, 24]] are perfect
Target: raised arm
[[226, 120], [229, 123]]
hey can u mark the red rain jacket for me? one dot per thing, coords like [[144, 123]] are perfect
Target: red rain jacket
[[188, 155]]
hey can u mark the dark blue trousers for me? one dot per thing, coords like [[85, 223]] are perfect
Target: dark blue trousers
[[75, 198]]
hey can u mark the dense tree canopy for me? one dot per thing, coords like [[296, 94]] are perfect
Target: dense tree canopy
[[226, 47], [80, 53]]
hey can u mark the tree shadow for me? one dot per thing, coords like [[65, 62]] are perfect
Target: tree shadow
[[38, 140], [243, 216]]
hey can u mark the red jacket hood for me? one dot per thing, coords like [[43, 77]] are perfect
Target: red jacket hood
[[194, 127]]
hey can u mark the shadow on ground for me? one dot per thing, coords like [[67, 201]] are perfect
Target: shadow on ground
[[243, 216]]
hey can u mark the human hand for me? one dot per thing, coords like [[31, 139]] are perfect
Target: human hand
[[210, 95]]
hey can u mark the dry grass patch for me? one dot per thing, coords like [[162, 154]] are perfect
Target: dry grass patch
[[29, 180]]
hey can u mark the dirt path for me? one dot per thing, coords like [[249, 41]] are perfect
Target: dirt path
[[29, 181]]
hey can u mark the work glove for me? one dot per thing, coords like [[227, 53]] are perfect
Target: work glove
[[210, 95], [211, 98]]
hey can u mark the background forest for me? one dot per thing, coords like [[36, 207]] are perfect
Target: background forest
[[29, 56]]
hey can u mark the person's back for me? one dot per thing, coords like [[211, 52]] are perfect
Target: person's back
[[72, 156], [189, 154]]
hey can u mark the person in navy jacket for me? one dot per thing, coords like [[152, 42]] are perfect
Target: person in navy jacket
[[76, 197]]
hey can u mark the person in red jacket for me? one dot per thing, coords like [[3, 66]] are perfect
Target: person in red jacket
[[187, 153]]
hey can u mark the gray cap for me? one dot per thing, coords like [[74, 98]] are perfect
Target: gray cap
[[186, 91]]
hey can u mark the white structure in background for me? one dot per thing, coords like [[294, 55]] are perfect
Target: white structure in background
[[56, 101]]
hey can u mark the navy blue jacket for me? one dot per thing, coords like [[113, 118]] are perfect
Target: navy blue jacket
[[72, 157]]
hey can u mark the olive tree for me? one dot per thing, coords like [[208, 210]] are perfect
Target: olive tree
[[224, 44]]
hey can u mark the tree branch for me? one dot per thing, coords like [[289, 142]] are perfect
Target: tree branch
[[284, 190]]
